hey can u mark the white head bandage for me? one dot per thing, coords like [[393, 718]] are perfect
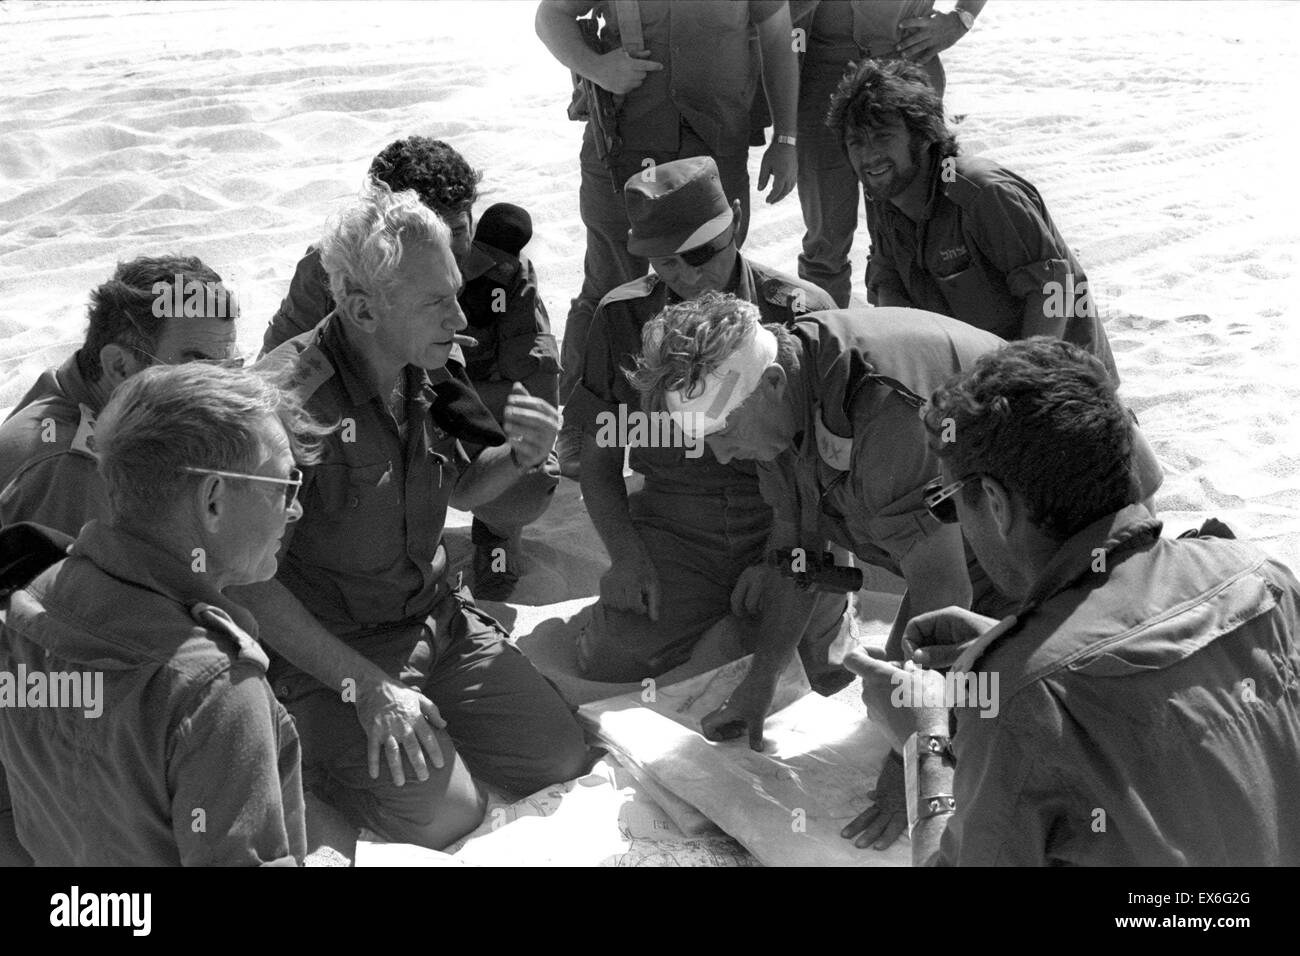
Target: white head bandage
[[726, 387]]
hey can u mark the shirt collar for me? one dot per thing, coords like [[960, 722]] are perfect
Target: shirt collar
[[742, 281], [133, 559], [1120, 531], [936, 180], [352, 373], [75, 386], [477, 263]]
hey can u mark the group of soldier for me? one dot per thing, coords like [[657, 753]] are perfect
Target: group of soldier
[[253, 558]]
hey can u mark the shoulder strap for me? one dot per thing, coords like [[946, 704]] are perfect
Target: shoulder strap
[[629, 24]]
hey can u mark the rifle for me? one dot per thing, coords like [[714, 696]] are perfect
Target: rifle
[[597, 105]]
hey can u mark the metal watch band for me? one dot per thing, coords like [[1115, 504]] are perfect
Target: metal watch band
[[935, 806], [787, 140]]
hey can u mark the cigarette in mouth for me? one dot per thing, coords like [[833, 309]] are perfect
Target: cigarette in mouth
[[466, 340]]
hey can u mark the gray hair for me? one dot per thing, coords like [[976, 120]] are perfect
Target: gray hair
[[362, 246], [166, 418]]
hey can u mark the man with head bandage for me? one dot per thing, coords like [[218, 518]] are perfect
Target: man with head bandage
[[827, 408], [679, 545]]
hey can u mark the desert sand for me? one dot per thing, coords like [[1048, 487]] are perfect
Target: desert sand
[[1160, 134]]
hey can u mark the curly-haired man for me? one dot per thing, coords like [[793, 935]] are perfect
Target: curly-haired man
[[952, 234]]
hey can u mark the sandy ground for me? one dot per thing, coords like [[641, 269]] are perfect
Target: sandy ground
[[1159, 134]]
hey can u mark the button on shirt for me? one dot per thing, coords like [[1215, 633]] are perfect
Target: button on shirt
[[367, 550], [1148, 710], [709, 73]]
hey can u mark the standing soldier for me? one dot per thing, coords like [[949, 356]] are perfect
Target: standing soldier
[[683, 76], [837, 34]]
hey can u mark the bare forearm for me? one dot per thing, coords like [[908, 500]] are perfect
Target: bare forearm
[[487, 478], [605, 495], [935, 572], [1037, 321], [786, 613], [560, 33], [780, 71], [293, 631]]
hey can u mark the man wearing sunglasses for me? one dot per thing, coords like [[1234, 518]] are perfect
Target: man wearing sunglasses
[[827, 408], [1146, 711], [47, 462], [177, 752], [678, 546], [382, 654]]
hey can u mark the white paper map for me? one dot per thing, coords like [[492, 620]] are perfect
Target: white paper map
[[786, 805]]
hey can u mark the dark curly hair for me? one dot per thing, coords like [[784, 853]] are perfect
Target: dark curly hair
[[873, 92], [1041, 417], [122, 310], [439, 175]]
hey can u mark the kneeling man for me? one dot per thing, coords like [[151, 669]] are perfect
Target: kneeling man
[[1140, 707], [679, 546], [157, 740], [379, 643]]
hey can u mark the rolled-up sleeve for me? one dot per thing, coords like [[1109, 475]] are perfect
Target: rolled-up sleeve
[[1015, 237], [611, 343]]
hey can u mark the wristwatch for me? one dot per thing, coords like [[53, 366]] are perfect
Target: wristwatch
[[966, 17], [786, 140]]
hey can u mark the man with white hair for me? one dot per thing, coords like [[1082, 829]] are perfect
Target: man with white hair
[[378, 645], [171, 748], [827, 407]]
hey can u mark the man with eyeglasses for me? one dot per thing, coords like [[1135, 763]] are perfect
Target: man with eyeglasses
[[827, 408], [1145, 710], [47, 445], [177, 752], [678, 547], [383, 655]]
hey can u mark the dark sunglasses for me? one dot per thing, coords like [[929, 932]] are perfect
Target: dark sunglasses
[[938, 498], [701, 254]]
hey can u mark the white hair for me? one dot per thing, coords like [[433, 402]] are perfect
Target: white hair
[[362, 246]]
